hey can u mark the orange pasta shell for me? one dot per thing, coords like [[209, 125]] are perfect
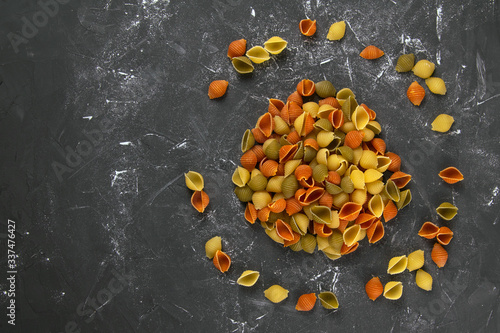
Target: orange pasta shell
[[334, 177], [395, 162], [326, 200], [293, 137], [265, 124], [375, 232], [332, 101], [217, 88], [439, 255], [379, 145], [348, 249], [275, 106], [322, 230], [444, 235], [350, 211], [371, 113], [371, 52], [287, 152], [200, 200], [237, 48], [259, 152], [451, 175], [258, 135], [390, 211], [401, 179], [306, 87], [292, 206], [354, 138], [415, 93], [268, 168], [294, 111], [342, 225], [222, 261], [374, 288], [296, 98], [250, 213], [365, 220], [311, 143], [428, 230], [284, 230], [281, 169], [307, 27], [307, 182], [277, 206], [336, 118], [296, 239], [303, 171], [248, 160], [263, 214]]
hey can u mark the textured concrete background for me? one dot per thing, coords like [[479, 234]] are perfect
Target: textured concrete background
[[109, 241]]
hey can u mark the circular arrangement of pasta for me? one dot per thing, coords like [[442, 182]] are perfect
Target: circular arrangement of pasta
[[315, 173]]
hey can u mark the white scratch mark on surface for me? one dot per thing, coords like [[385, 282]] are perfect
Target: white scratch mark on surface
[[486, 100], [180, 307], [88, 117], [456, 132], [259, 318], [439, 22], [252, 12], [493, 195], [307, 8], [325, 61], [438, 57], [125, 143], [394, 2], [349, 69], [115, 176]]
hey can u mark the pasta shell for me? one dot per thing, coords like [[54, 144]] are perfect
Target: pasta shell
[[353, 139], [350, 211], [269, 168], [291, 166], [241, 176], [222, 261], [392, 191], [415, 260], [304, 124], [277, 206], [299, 223], [372, 175], [393, 290], [294, 111], [296, 247], [271, 148], [401, 179], [326, 200], [293, 137], [442, 123], [376, 205], [242, 65], [342, 225], [390, 211], [275, 45], [265, 124], [258, 135], [447, 211], [371, 52], [379, 145], [280, 126], [375, 187], [287, 152], [320, 172], [395, 162], [333, 177], [324, 215], [194, 181], [250, 213], [333, 190], [405, 63], [375, 232], [295, 240], [217, 88], [257, 54], [332, 101], [303, 172], [248, 160], [358, 179], [213, 245], [405, 199], [276, 293], [306, 302], [311, 107], [428, 230], [296, 98], [374, 126], [324, 125], [311, 194], [263, 214], [261, 199], [284, 230], [248, 278], [237, 48], [423, 68], [275, 106], [424, 280], [371, 113], [258, 182], [328, 300], [325, 89], [307, 27], [274, 184], [336, 118], [360, 118], [200, 200], [439, 255], [306, 87], [451, 175], [289, 186], [415, 93], [322, 230], [374, 288], [348, 249], [349, 106], [248, 141], [308, 243], [244, 193], [397, 265], [436, 85], [365, 220], [351, 234], [444, 235], [336, 31]]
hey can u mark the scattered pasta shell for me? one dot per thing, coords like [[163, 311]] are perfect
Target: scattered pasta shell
[[415, 260], [242, 65], [200, 200], [328, 300], [371, 52], [405, 63], [237, 48], [436, 85], [444, 236], [393, 290], [213, 245], [276, 293], [405, 199], [336, 31], [390, 211], [247, 141], [306, 87], [447, 211], [275, 45], [325, 89], [241, 176], [222, 261], [277, 206], [307, 27], [442, 123], [415, 93], [306, 302], [428, 230], [248, 278], [423, 280], [217, 88], [194, 181], [451, 175], [423, 68], [401, 179], [250, 213], [374, 288], [397, 265], [258, 54], [439, 255]]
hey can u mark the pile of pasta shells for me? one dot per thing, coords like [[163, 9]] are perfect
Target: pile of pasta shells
[[316, 175]]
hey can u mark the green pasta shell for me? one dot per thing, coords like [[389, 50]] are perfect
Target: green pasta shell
[[296, 247], [320, 172], [283, 140], [345, 93], [309, 154], [244, 193], [328, 300], [392, 191], [332, 188], [405, 63], [374, 126], [322, 214], [308, 243], [242, 65], [325, 89], [307, 210], [274, 184], [289, 186], [299, 223], [346, 152], [273, 217], [280, 126], [248, 141], [349, 106], [336, 240], [323, 124], [405, 199], [258, 182], [346, 184], [341, 135], [300, 151], [272, 149], [447, 211]]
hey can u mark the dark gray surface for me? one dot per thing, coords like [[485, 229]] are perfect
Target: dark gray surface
[[143, 66]]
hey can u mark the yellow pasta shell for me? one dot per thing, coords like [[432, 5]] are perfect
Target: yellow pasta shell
[[405, 199], [359, 196], [328, 300], [442, 123], [290, 167], [289, 186], [299, 223], [276, 293], [369, 135], [324, 138], [261, 199], [383, 163], [397, 265], [415, 260], [340, 199], [351, 234], [332, 256], [322, 243], [312, 108], [336, 31], [248, 278], [368, 160], [374, 126], [325, 110], [194, 181], [258, 54], [356, 154], [436, 85], [274, 235], [275, 45], [280, 126], [423, 280], [323, 156], [360, 118], [241, 176], [376, 205], [308, 243], [372, 175], [375, 187], [423, 68], [213, 245], [274, 184], [393, 290], [358, 179]]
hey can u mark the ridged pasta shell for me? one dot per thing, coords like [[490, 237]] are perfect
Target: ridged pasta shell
[[336, 118], [379, 145], [423, 68], [312, 108], [348, 249], [415, 93], [275, 45], [257, 54], [374, 288], [342, 225], [439, 255], [296, 247], [250, 213], [261, 199], [415, 260], [374, 126], [401, 179], [303, 172], [390, 211], [322, 230], [269, 168], [333, 189], [326, 200], [397, 265], [428, 230], [392, 191], [371, 52], [274, 184], [451, 175], [351, 234], [372, 114], [436, 85], [289, 186], [365, 220], [336, 31], [213, 245], [444, 235], [323, 215], [287, 152], [304, 124], [332, 101], [263, 214], [360, 118], [395, 162], [307, 27], [265, 124], [375, 232], [292, 206], [293, 137], [217, 88], [275, 106], [405, 63], [194, 181], [284, 230], [271, 232], [276, 293], [376, 205], [405, 199], [325, 89], [423, 280], [393, 290], [447, 211], [280, 126], [221, 261], [291, 166], [323, 125], [277, 206], [248, 141], [328, 300], [248, 160], [311, 194], [371, 175], [306, 302], [258, 182], [306, 87], [299, 223], [383, 163], [347, 185], [344, 93], [242, 65], [200, 200], [248, 278], [320, 172], [294, 111], [353, 139], [442, 123], [358, 179], [308, 243], [293, 241], [296, 98], [258, 135], [333, 177], [348, 107], [271, 149], [241, 176], [375, 187], [244, 193], [237, 48], [350, 211]]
